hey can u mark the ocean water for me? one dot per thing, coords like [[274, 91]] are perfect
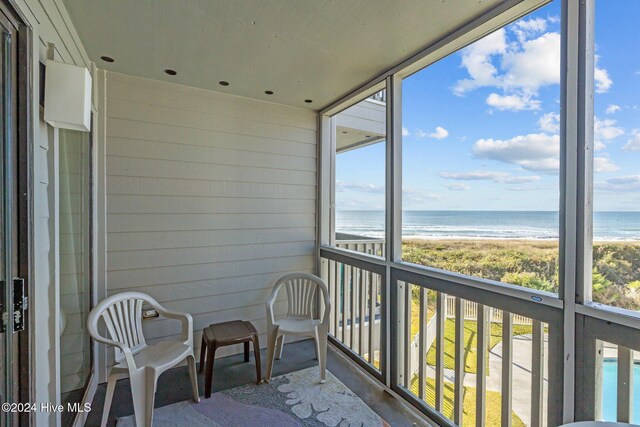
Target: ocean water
[[543, 225]]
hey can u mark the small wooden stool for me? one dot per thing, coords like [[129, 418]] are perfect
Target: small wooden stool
[[219, 335]]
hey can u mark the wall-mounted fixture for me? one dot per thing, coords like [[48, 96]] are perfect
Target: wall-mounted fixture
[[67, 96]]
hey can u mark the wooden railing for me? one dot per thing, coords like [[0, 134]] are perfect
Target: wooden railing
[[470, 312], [606, 341], [366, 245], [357, 300], [445, 358]]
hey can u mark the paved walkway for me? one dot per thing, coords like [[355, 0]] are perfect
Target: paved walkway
[[521, 373]]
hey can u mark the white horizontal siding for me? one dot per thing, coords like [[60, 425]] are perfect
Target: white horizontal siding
[[210, 198]]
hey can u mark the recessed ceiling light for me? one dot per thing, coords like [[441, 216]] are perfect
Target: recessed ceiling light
[[223, 83], [107, 59], [171, 72], [308, 101], [268, 92]]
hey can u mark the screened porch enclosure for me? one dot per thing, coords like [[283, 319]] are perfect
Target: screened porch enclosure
[[212, 180], [468, 348]]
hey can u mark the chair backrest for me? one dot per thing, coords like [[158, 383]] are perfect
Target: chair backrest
[[301, 291], [122, 315]]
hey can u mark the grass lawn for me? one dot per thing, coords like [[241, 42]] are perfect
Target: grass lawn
[[493, 402], [470, 343]]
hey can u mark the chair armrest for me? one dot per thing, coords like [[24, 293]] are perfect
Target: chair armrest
[[185, 318], [270, 303], [131, 364]]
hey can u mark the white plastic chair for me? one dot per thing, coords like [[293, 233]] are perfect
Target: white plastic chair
[[122, 314], [300, 321]]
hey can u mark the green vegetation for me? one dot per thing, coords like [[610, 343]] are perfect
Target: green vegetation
[[493, 401], [534, 264], [470, 343]]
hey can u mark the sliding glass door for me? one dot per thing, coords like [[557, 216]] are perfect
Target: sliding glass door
[[75, 266]]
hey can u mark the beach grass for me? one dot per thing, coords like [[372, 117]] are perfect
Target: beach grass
[[534, 264]]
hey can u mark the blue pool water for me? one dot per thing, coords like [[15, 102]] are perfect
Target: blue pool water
[[610, 391]]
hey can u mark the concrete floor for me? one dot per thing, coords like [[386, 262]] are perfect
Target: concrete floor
[[229, 372]]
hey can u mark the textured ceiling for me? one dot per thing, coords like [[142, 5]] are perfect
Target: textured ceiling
[[299, 49]]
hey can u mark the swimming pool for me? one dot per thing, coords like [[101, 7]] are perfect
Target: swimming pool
[[610, 388]]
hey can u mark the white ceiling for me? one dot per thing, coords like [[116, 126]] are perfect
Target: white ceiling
[[299, 49]]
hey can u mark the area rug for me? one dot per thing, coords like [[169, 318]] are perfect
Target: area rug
[[295, 399]]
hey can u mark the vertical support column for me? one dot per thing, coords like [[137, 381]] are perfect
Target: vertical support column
[[393, 203], [576, 181]]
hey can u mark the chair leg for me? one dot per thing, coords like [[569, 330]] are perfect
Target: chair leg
[[272, 338], [143, 394], [321, 339], [246, 351], [111, 385], [203, 352], [191, 360], [151, 378], [279, 347]]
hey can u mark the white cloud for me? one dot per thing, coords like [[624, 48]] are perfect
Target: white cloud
[[458, 186], [536, 64], [498, 177], [342, 186], [525, 28], [612, 108], [537, 152], [405, 131], [420, 133], [633, 143], [477, 59], [550, 122], [601, 78], [519, 65], [604, 164], [440, 133], [605, 130], [414, 196], [620, 184], [512, 102]]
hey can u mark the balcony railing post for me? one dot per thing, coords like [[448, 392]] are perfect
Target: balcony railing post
[[625, 384], [537, 373], [481, 381], [440, 323], [507, 367]]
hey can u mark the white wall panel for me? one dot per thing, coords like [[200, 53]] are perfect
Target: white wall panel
[[210, 198]]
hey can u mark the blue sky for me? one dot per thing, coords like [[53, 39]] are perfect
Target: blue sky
[[480, 127]]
